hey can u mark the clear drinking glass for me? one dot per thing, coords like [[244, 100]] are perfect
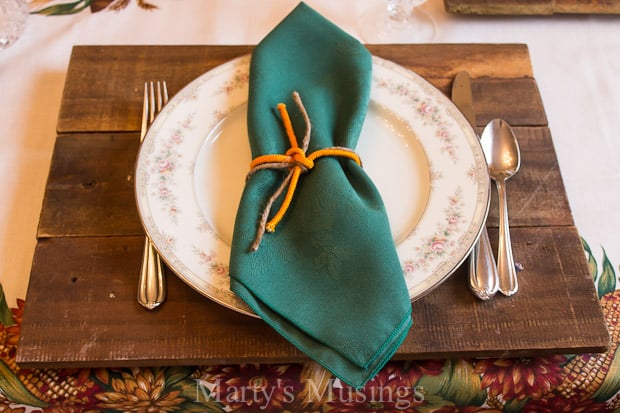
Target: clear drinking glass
[[397, 21], [13, 17]]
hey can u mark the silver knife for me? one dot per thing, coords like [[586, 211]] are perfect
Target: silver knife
[[483, 277]]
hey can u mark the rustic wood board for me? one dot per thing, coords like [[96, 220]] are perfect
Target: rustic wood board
[[81, 308], [86, 192], [87, 195], [107, 97], [532, 7], [82, 311]]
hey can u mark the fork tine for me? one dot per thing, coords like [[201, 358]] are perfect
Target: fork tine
[[155, 97], [145, 109], [151, 103], [165, 87], [162, 95], [159, 98]]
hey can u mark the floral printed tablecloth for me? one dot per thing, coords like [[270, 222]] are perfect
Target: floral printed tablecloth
[[576, 61], [59, 8]]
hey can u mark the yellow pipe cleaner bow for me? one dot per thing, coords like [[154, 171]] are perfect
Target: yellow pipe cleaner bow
[[296, 161]]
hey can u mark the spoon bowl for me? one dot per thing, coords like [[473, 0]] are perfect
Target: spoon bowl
[[501, 150]]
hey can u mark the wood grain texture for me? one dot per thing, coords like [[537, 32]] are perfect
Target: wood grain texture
[[82, 311], [90, 187], [587, 6], [446, 60], [107, 92], [106, 95], [550, 308], [517, 101], [81, 306], [532, 7], [536, 194]]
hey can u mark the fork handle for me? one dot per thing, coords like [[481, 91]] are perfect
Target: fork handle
[[151, 281]]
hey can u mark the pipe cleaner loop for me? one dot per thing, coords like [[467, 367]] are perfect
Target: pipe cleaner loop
[[296, 162]]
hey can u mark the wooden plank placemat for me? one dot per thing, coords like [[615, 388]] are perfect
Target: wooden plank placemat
[[81, 308], [532, 7]]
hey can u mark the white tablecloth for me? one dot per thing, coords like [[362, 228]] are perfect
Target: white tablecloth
[[576, 61]]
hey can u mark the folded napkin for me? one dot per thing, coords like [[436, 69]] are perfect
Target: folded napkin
[[327, 278]]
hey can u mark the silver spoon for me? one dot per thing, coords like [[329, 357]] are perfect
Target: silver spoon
[[501, 149]]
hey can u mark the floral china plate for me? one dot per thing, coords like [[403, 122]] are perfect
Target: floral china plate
[[415, 144]]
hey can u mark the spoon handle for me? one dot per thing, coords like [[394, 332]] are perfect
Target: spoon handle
[[483, 278], [508, 284]]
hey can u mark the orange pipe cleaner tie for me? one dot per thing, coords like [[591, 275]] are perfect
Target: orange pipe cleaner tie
[[296, 161]]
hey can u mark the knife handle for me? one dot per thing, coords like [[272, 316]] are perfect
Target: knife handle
[[483, 276]]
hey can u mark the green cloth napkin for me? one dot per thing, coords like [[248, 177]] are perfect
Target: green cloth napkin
[[328, 279]]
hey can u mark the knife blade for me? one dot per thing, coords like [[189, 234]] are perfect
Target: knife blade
[[463, 98], [483, 275]]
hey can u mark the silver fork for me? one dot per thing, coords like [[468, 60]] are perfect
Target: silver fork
[[151, 282]]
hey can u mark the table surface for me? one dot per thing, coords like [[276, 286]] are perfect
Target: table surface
[[90, 238], [575, 58], [574, 65]]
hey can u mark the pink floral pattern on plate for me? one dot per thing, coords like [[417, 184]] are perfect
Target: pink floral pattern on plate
[[179, 216], [164, 168], [443, 240], [430, 112]]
